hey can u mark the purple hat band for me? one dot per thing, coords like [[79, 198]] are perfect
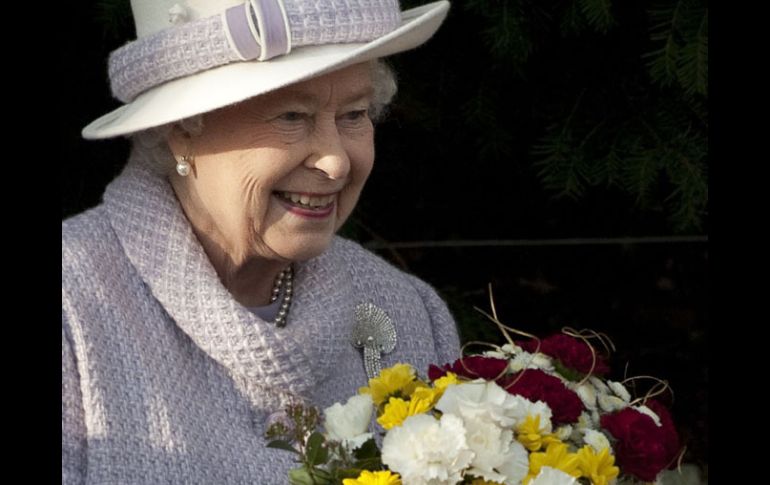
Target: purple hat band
[[259, 29], [256, 30]]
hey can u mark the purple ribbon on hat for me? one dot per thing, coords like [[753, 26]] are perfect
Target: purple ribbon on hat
[[259, 29]]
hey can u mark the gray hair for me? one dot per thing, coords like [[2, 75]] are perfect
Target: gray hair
[[151, 144]]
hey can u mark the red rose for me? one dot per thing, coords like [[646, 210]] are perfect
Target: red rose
[[571, 352], [472, 367], [643, 448], [536, 385]]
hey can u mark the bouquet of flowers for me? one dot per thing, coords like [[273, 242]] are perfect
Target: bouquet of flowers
[[531, 411]]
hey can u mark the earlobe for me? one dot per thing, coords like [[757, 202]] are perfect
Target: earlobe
[[180, 144]]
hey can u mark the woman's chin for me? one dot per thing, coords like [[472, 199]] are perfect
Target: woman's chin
[[305, 249]]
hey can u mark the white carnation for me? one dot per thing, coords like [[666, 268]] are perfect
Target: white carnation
[[552, 476], [498, 457], [348, 423], [427, 451], [486, 401], [516, 465], [596, 440]]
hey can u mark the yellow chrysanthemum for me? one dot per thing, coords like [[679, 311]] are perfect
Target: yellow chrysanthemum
[[397, 410], [529, 434], [397, 379], [555, 456], [427, 394], [481, 481], [374, 478], [600, 468], [443, 382]]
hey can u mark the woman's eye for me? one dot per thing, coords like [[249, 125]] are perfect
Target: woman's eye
[[356, 115], [292, 116]]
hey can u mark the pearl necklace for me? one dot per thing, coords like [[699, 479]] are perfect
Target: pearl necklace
[[284, 281]]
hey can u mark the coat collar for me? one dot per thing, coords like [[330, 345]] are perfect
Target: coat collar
[[159, 242]]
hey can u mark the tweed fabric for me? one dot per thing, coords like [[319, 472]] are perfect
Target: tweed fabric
[[167, 379], [202, 44]]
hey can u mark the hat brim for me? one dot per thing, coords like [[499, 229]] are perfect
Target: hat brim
[[232, 83]]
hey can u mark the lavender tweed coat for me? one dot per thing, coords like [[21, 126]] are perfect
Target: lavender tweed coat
[[167, 379]]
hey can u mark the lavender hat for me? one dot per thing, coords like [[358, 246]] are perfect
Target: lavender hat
[[194, 56]]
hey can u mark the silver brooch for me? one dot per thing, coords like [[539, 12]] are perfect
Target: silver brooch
[[375, 333]]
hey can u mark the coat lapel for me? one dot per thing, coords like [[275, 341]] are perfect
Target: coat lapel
[[160, 243]]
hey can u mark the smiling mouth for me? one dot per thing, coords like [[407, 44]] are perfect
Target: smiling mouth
[[307, 202]]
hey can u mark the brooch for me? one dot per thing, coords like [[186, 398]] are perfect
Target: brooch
[[375, 334]]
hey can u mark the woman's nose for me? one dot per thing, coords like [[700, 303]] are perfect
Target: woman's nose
[[329, 156]]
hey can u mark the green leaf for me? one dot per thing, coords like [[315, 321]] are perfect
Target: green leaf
[[317, 452], [300, 476], [569, 374], [282, 445], [343, 473], [367, 450], [374, 463]]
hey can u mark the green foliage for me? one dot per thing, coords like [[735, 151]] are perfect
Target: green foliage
[[598, 14], [316, 451], [321, 462], [116, 19], [511, 26], [282, 445], [680, 32], [657, 156], [635, 123], [566, 372], [652, 146]]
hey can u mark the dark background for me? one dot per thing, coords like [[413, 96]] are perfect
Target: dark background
[[458, 195]]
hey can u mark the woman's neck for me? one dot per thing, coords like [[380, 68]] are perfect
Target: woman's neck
[[248, 278]]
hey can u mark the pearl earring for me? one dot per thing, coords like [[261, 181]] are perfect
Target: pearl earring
[[183, 166]]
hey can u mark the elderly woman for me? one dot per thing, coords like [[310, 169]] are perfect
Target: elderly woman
[[209, 290]]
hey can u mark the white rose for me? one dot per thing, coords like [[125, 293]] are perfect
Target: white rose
[[348, 423]]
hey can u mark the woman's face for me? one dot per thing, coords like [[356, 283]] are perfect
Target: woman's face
[[276, 176]]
